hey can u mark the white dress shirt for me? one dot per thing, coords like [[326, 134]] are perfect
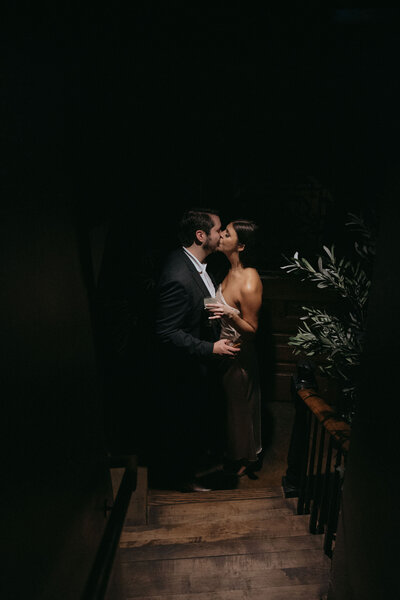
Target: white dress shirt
[[202, 271]]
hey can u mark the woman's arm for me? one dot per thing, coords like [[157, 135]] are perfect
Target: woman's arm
[[250, 298], [250, 304]]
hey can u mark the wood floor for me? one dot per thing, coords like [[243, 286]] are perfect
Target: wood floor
[[221, 545]]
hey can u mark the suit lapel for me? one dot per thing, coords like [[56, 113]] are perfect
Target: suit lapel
[[212, 279], [195, 275], [211, 333]]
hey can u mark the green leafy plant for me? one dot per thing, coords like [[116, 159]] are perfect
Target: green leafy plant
[[337, 338]]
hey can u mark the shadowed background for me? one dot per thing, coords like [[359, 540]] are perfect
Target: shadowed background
[[114, 120]]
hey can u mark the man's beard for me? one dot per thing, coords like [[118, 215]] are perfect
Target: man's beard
[[211, 247]]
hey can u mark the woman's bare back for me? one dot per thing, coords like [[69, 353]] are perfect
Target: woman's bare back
[[242, 289]]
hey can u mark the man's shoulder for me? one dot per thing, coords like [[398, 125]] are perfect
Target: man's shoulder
[[175, 265], [174, 258]]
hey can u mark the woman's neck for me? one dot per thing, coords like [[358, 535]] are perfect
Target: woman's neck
[[236, 265]]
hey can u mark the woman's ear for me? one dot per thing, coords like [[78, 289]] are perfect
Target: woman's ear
[[241, 247]]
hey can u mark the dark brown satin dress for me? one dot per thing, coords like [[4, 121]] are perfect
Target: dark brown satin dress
[[243, 398]]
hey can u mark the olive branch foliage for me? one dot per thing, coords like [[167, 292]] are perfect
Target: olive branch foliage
[[338, 338]]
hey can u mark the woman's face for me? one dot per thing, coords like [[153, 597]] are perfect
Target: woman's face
[[229, 240]]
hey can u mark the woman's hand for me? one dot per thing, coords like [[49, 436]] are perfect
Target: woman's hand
[[220, 310]]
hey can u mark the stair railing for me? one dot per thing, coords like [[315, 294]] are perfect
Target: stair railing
[[101, 575], [327, 439]]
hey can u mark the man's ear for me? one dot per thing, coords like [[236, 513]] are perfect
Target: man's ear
[[200, 236]]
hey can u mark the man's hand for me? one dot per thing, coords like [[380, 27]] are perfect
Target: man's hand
[[224, 348]]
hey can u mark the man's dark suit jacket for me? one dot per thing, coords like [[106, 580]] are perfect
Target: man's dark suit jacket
[[185, 375], [182, 324]]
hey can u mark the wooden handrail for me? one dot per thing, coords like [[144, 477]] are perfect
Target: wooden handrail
[[337, 427], [317, 458], [99, 578]]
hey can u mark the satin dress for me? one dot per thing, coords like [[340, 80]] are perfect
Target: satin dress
[[243, 397]]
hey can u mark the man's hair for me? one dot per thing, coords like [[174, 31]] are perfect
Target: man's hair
[[193, 220], [247, 234]]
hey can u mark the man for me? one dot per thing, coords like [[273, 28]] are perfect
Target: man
[[188, 345]]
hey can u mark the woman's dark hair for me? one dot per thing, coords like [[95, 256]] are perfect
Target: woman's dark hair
[[193, 220], [247, 232]]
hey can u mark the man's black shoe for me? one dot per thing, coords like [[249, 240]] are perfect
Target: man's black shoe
[[194, 486]]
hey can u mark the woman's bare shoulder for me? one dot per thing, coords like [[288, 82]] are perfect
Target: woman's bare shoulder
[[250, 274], [251, 279]]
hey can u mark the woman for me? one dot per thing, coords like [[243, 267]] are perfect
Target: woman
[[239, 299]]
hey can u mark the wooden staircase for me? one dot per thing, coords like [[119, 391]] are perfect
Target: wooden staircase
[[220, 545]]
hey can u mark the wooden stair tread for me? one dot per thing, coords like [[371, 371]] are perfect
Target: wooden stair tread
[[297, 592], [238, 546], [192, 512], [242, 544], [279, 526], [173, 497], [224, 573]]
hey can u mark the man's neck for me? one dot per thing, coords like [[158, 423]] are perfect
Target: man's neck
[[198, 252]]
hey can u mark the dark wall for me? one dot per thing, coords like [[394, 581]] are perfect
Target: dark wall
[[257, 111], [55, 477], [365, 558], [224, 105]]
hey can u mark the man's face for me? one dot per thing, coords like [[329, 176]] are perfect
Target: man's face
[[212, 241]]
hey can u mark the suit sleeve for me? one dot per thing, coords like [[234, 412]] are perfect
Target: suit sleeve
[[173, 306]]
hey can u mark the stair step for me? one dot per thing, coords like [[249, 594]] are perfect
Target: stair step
[[227, 547], [215, 511], [224, 529], [201, 575], [161, 497], [296, 592], [242, 544]]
